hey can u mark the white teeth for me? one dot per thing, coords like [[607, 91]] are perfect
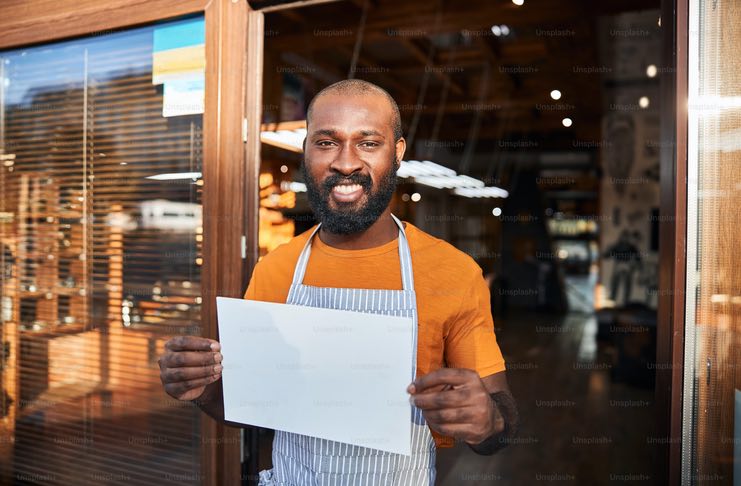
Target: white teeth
[[347, 188]]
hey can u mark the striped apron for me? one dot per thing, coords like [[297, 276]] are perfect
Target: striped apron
[[299, 460]]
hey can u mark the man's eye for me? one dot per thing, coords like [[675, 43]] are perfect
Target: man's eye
[[369, 144], [324, 143]]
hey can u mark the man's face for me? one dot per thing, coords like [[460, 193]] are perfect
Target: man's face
[[350, 161]]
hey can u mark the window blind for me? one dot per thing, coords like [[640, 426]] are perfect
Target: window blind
[[100, 237]]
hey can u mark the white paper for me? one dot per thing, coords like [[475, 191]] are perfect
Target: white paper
[[332, 374]]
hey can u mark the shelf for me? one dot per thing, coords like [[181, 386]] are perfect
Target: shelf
[[54, 214], [55, 331], [57, 291], [577, 237], [59, 252]]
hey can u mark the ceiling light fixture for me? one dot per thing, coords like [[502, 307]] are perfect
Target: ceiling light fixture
[[292, 186], [292, 140], [449, 182], [500, 30], [416, 168], [290, 136], [489, 191], [175, 176]]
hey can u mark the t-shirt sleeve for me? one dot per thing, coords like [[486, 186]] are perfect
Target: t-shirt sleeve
[[470, 342], [251, 292]]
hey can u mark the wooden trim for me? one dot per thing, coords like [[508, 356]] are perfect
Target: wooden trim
[[680, 242], [672, 251], [223, 156], [275, 5], [223, 208], [28, 22], [253, 118], [253, 109]]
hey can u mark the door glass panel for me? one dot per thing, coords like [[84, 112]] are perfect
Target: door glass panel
[[712, 400], [100, 244]]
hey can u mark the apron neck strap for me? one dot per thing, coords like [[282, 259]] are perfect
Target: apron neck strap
[[405, 258]]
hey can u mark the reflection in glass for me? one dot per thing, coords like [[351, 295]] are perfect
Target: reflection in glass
[[100, 257], [712, 400]]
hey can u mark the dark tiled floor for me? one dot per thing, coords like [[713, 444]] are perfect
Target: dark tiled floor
[[578, 427]]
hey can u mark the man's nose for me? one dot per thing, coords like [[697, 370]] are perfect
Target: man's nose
[[347, 161]]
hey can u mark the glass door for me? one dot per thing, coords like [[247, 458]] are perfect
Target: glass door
[[100, 254], [712, 387]]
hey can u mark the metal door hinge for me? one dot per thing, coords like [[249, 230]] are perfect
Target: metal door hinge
[[244, 247], [244, 129]]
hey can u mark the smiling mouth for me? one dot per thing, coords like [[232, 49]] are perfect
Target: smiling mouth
[[345, 193]]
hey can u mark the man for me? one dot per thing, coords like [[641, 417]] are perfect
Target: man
[[361, 258]]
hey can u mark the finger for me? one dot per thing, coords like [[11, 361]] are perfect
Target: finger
[[450, 416], [175, 375], [184, 359], [443, 376], [178, 389], [440, 400], [192, 343]]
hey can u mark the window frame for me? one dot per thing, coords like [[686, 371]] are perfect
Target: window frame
[[231, 163], [227, 168]]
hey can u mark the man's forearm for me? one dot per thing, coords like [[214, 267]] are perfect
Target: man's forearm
[[505, 407]]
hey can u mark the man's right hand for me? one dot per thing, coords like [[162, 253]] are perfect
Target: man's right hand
[[189, 364]]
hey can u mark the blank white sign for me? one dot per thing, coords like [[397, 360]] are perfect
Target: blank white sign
[[332, 374]]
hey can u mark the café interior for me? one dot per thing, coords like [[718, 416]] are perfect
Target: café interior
[[534, 145]]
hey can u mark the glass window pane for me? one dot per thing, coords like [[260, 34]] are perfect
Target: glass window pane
[[101, 239], [712, 403]]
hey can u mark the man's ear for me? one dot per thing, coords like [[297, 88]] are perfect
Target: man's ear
[[401, 147]]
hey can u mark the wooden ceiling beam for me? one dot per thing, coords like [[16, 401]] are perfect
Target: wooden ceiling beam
[[370, 68], [419, 54], [500, 105], [418, 19], [505, 127]]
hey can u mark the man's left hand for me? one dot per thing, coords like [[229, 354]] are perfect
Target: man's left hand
[[455, 403]]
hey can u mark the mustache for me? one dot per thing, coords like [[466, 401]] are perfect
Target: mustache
[[363, 180]]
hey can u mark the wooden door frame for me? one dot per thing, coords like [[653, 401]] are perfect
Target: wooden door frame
[[672, 243], [233, 106], [672, 232], [226, 170]]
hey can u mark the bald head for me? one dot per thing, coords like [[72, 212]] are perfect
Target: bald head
[[358, 87]]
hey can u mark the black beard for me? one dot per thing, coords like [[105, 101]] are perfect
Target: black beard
[[350, 221]]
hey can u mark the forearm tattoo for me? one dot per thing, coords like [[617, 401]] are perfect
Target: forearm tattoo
[[507, 407]]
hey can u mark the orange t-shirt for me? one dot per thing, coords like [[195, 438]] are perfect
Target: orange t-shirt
[[455, 326]]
